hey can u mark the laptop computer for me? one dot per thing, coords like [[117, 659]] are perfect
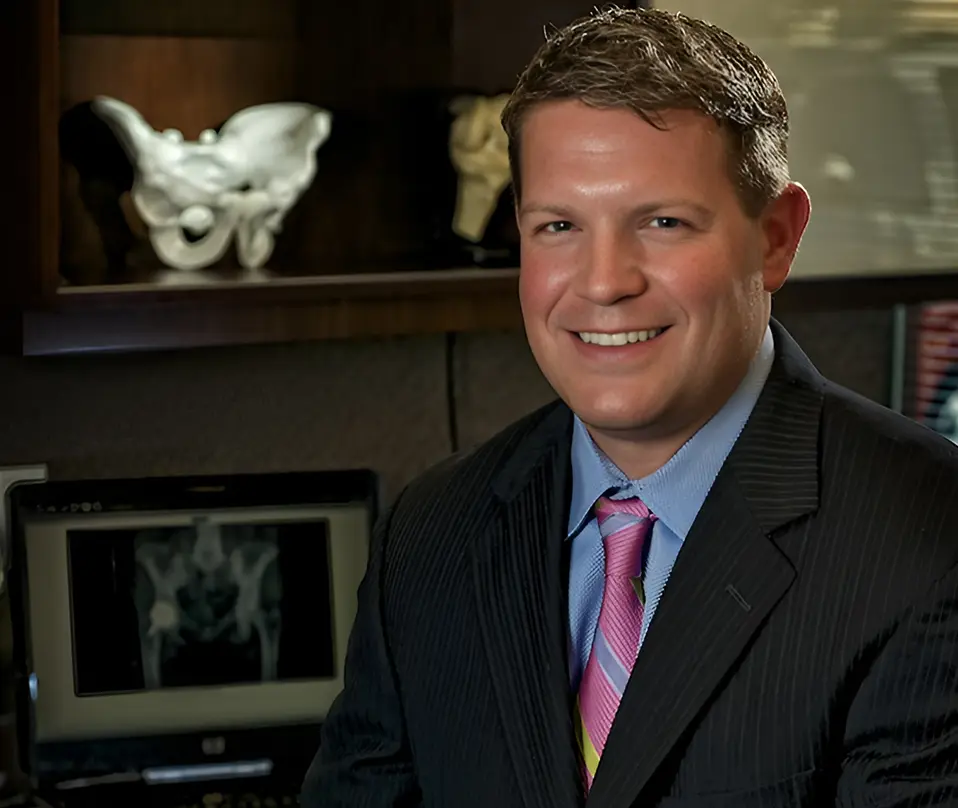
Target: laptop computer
[[178, 641]]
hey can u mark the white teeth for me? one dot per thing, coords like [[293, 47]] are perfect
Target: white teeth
[[621, 338]]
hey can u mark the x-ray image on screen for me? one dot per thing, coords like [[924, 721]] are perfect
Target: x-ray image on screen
[[205, 604], [206, 595]]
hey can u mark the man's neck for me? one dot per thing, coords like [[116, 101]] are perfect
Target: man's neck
[[640, 455]]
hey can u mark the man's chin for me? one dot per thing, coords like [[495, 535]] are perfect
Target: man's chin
[[624, 425]]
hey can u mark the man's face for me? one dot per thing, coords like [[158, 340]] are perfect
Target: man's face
[[644, 284]]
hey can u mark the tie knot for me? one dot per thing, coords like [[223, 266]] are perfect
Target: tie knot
[[625, 525]]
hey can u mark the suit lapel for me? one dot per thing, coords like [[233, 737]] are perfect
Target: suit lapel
[[520, 584], [726, 580]]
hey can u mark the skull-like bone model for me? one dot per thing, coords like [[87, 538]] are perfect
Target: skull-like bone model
[[197, 196], [457, 170], [479, 150]]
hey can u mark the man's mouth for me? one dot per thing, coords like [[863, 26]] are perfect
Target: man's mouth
[[620, 337]]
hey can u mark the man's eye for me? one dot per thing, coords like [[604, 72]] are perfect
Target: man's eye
[[666, 222], [558, 227]]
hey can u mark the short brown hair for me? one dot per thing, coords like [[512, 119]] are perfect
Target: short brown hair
[[650, 61]]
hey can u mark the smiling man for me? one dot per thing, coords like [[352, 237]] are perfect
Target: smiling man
[[645, 282], [706, 576]]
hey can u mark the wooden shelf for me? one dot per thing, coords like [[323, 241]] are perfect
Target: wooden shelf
[[864, 292], [103, 319]]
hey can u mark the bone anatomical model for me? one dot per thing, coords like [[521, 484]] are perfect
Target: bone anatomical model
[[240, 182], [205, 588], [479, 150]]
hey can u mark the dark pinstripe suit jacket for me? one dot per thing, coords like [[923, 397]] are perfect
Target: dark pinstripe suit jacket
[[805, 652]]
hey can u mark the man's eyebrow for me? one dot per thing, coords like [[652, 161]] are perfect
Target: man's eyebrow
[[553, 210], [640, 210]]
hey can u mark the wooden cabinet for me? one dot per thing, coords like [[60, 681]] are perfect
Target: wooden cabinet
[[353, 258]]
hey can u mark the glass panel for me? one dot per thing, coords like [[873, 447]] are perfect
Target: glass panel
[[873, 96]]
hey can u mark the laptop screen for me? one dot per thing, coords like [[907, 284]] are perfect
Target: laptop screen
[[211, 603]]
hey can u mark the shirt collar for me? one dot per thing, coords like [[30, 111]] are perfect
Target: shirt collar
[[676, 491]]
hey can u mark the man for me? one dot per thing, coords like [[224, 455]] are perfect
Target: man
[[706, 576]]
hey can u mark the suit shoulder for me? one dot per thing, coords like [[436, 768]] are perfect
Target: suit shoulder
[[889, 470], [888, 495], [466, 477], [850, 416]]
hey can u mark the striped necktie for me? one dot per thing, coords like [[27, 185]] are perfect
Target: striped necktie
[[625, 526]]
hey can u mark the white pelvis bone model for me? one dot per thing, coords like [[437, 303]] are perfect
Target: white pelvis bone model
[[241, 181]]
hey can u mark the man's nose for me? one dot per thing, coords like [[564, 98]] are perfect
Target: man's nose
[[611, 269]]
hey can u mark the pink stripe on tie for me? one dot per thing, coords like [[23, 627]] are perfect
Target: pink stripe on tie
[[625, 526]]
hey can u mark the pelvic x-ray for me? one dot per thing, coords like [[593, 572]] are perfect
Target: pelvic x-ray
[[200, 605], [205, 591]]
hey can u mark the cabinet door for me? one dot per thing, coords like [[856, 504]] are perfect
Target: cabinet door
[[28, 56], [493, 40]]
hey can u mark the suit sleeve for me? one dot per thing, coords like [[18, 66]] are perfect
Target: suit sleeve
[[901, 737], [364, 759]]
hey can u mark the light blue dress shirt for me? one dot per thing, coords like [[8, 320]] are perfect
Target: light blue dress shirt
[[674, 493]]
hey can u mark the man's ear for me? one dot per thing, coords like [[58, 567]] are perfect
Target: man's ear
[[783, 224]]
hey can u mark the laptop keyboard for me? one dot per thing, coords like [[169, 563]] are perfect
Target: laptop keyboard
[[243, 800]]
